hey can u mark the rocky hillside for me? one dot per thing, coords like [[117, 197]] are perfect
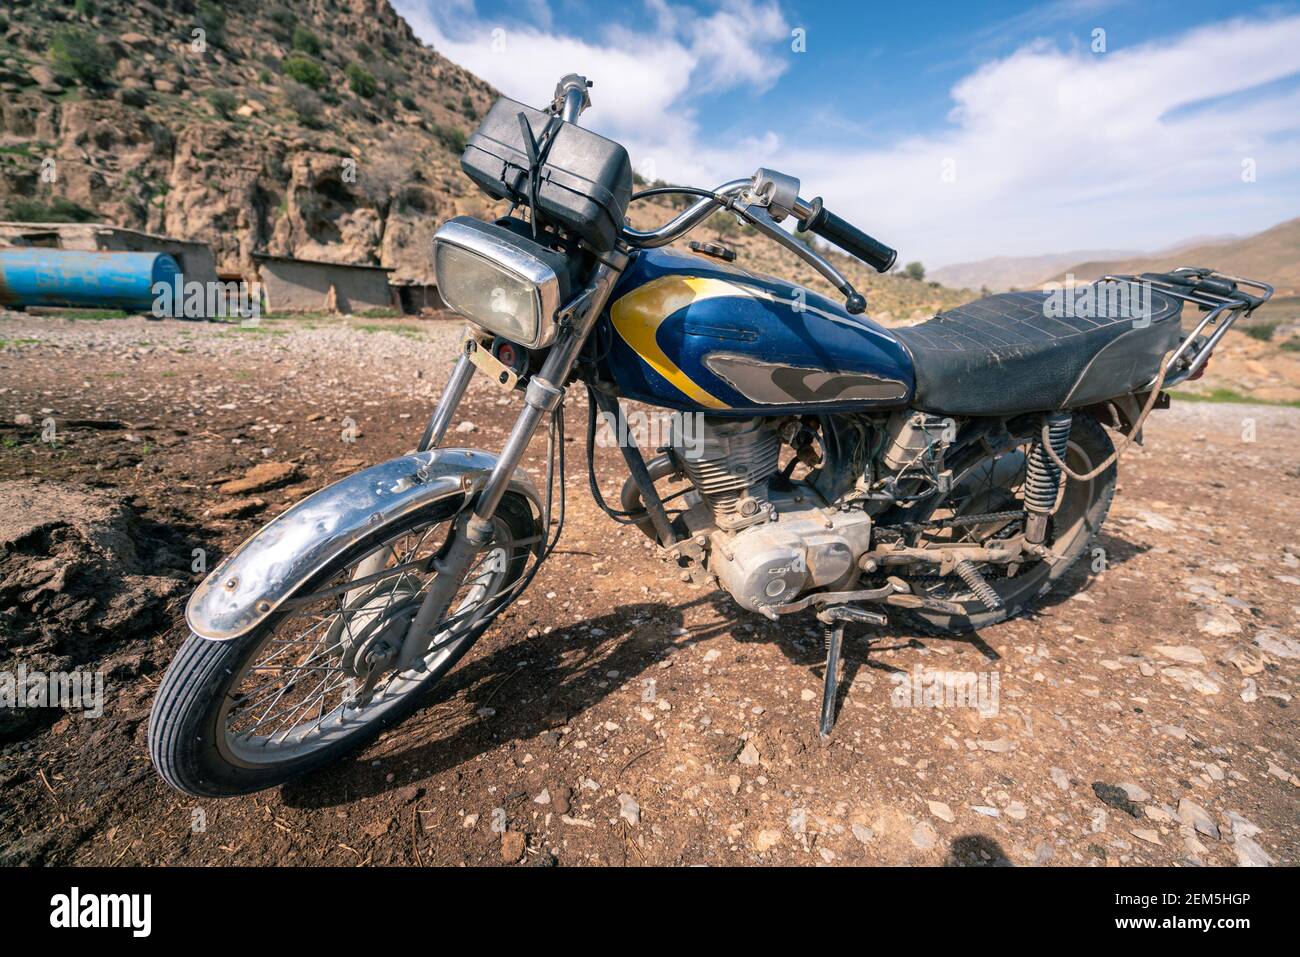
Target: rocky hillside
[[317, 128]]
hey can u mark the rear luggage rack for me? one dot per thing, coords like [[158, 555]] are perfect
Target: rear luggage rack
[[1217, 294]]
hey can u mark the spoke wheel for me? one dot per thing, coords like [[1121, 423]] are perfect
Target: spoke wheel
[[317, 679]]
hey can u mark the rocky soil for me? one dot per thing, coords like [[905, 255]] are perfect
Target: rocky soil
[[1145, 715]]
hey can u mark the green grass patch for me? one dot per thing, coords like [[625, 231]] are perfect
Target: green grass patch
[[1229, 395], [1262, 331], [410, 332], [93, 315]]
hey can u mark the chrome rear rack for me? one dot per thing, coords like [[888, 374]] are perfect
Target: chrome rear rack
[[1218, 295]]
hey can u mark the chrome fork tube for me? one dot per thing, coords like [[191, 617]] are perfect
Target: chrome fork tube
[[440, 421], [545, 391], [473, 533]]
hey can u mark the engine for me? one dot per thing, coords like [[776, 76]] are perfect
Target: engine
[[769, 539]]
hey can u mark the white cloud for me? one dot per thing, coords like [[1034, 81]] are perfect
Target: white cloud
[[643, 80], [1052, 149]]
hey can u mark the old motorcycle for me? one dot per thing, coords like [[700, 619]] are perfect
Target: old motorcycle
[[951, 471]]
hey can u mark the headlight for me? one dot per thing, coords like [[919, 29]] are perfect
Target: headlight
[[499, 280]]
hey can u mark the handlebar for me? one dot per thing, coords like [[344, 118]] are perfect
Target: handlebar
[[764, 200], [822, 222]]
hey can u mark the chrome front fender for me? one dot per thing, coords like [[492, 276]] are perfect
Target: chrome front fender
[[286, 552]]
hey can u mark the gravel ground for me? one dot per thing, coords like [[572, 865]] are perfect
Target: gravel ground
[[616, 715]]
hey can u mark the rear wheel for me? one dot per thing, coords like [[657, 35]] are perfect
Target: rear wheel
[[307, 685], [994, 484]]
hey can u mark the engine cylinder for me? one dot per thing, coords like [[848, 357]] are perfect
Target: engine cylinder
[[729, 461]]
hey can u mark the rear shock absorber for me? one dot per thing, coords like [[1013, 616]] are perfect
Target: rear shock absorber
[[1043, 477]]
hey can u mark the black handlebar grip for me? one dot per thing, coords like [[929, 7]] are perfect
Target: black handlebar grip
[[848, 237]]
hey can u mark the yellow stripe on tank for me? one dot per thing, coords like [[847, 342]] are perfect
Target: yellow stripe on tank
[[638, 316]]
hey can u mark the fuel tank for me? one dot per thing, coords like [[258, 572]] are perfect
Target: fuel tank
[[691, 333]]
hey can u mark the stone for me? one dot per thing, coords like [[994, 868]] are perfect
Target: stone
[[237, 508], [1245, 659], [263, 476], [1115, 797], [629, 810], [1218, 622], [1277, 645], [942, 811], [748, 754], [767, 839], [864, 834], [1148, 835], [924, 836], [1184, 653], [1192, 679], [560, 798], [1197, 817], [467, 426], [1135, 792], [1250, 854], [1060, 779], [513, 846]]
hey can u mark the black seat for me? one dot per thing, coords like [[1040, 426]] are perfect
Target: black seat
[[1016, 352]]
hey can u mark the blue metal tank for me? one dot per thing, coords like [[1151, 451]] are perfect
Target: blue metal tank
[[32, 276], [694, 334]]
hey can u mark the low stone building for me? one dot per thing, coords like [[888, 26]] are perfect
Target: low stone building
[[417, 297], [304, 285]]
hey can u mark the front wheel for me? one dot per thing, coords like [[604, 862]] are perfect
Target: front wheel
[[302, 689]]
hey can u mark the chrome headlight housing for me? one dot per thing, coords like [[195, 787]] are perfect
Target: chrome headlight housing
[[499, 280]]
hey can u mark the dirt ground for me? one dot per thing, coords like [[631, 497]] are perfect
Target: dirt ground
[[1145, 715]]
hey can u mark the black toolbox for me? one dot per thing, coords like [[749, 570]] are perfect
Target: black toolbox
[[583, 181]]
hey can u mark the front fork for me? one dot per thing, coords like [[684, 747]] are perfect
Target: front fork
[[473, 531]]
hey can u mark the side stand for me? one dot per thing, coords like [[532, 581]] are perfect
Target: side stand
[[833, 619]]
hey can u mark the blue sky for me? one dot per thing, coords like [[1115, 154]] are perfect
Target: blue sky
[[954, 131]]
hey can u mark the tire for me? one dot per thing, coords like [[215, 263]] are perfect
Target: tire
[[1089, 444], [188, 741]]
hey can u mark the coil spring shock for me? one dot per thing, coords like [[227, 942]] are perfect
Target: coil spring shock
[[1043, 477]]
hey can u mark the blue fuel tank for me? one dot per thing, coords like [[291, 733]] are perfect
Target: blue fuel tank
[[695, 334], [36, 276]]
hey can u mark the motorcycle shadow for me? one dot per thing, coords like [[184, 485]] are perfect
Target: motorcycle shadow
[[533, 686], [516, 690]]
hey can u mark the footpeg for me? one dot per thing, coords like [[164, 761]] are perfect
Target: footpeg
[[833, 619]]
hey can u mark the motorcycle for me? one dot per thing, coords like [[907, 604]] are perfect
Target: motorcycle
[[951, 472]]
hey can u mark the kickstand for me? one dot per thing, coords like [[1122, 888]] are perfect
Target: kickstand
[[834, 618]]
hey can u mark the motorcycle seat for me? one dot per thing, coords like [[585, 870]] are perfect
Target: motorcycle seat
[[1037, 351]]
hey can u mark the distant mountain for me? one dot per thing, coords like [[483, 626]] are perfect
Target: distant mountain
[[1000, 273], [1272, 256]]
